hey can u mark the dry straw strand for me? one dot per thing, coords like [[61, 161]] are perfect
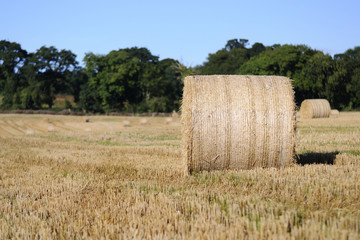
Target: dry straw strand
[[315, 108], [237, 122]]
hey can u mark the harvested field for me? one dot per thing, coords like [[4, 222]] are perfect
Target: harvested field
[[127, 182]]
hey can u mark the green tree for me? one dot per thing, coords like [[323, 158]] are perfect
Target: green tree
[[89, 99], [315, 80], [235, 43], [12, 60], [355, 88], [229, 59], [76, 79], [166, 91], [256, 49], [48, 72], [224, 61], [132, 79], [121, 76], [348, 70], [287, 60]]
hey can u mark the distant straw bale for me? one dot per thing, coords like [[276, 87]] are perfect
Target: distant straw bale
[[315, 108], [237, 122], [143, 121], [168, 120], [51, 128], [334, 113], [126, 123], [30, 132], [175, 114]]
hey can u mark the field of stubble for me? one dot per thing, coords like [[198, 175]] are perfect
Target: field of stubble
[[63, 178]]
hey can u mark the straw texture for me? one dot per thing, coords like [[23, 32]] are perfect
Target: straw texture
[[237, 122], [315, 108]]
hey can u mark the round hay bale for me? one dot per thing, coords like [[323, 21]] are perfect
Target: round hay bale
[[315, 108], [126, 123], [334, 113], [175, 114], [168, 120], [237, 122], [143, 121], [51, 128], [30, 131]]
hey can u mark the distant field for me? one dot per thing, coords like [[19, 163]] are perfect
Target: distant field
[[64, 178]]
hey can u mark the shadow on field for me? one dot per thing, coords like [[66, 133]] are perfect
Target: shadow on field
[[316, 158]]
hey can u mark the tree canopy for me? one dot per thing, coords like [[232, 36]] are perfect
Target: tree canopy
[[135, 80]]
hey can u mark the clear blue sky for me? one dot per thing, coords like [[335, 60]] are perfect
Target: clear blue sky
[[186, 30]]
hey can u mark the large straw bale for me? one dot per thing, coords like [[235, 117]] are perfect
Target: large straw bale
[[237, 122], [315, 108]]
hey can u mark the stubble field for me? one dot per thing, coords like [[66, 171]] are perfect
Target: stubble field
[[64, 178]]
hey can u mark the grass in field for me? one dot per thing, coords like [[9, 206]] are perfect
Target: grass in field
[[115, 182]]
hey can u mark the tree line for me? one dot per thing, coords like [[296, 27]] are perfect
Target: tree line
[[135, 80], [314, 73]]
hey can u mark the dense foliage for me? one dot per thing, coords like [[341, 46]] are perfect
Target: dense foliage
[[315, 74], [134, 80]]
